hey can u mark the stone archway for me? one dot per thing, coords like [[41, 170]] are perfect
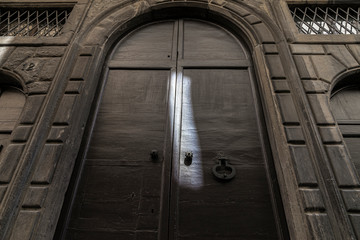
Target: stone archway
[[177, 87]]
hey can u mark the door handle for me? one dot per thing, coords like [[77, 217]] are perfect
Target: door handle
[[223, 170], [188, 158]]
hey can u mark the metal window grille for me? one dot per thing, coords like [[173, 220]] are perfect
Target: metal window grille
[[33, 22], [326, 19]]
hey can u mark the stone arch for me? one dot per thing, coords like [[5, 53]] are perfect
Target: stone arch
[[96, 40], [242, 19]]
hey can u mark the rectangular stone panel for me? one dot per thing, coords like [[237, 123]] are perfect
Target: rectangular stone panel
[[313, 200], [38, 87], [57, 134], [350, 130], [265, 34], [320, 226], [355, 220], [52, 51], [35, 196], [321, 109], [303, 166], [47, 163], [270, 48], [48, 68], [252, 19], [305, 67], [80, 67], [275, 66], [351, 198], [73, 87], [24, 224], [9, 161], [65, 109], [287, 109], [281, 86], [31, 108], [21, 133], [330, 135], [306, 49], [315, 86], [87, 51], [294, 134], [343, 168]]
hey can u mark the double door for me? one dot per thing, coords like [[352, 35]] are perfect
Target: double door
[[177, 150]]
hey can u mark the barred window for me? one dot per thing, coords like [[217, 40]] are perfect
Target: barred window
[[33, 22], [325, 19]]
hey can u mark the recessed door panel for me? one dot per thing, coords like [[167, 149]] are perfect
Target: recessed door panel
[[209, 42], [121, 184], [219, 121], [153, 42]]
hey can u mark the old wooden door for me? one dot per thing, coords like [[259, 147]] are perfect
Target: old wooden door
[[174, 88]]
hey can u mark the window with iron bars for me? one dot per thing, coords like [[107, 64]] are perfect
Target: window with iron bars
[[33, 22], [325, 19]]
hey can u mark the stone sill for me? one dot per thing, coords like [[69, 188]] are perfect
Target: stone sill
[[36, 41]]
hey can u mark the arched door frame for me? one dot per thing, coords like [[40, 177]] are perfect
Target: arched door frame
[[100, 36], [240, 27]]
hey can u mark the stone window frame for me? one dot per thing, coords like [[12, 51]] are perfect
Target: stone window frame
[[292, 33], [67, 31]]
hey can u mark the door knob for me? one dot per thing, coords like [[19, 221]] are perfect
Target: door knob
[[223, 170], [188, 158], [154, 155]]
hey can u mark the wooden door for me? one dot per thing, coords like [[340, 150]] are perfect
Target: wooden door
[[175, 88], [345, 106]]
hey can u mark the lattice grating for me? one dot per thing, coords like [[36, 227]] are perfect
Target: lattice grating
[[326, 19], [33, 22]]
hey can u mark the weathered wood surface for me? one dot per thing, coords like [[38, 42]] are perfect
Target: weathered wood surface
[[199, 98]]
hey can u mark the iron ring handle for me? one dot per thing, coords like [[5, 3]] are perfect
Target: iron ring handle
[[224, 166]]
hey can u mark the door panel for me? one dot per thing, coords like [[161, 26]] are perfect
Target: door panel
[[153, 42], [346, 110], [202, 101], [207, 42], [121, 185], [219, 119]]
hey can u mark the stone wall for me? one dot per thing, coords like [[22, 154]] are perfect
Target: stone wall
[[60, 75]]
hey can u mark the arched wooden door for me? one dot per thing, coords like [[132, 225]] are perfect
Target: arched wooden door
[[174, 88]]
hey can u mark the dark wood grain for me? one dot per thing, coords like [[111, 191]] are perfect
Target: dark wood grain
[[175, 86], [121, 185], [219, 119], [345, 106]]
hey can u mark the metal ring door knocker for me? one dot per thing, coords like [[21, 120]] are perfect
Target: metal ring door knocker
[[223, 170]]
